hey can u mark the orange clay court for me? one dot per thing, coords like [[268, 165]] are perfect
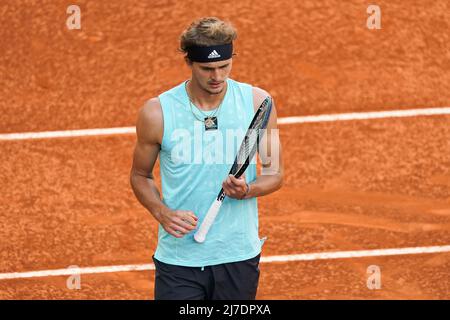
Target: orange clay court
[[371, 182]]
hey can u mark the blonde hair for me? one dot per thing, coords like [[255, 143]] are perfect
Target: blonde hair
[[208, 31]]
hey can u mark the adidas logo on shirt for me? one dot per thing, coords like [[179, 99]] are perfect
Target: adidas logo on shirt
[[213, 55]]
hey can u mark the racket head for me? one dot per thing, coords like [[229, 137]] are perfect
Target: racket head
[[252, 137]]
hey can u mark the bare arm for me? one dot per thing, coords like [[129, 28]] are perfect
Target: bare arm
[[270, 153], [149, 130]]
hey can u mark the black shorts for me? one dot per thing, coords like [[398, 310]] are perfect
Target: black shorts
[[228, 281]]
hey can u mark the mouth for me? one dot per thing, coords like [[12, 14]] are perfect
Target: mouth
[[215, 84]]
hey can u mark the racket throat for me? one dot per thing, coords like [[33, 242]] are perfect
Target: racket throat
[[221, 195]]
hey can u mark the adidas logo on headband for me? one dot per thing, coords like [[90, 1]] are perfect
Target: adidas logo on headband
[[213, 55], [210, 53]]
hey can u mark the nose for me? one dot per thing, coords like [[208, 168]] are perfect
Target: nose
[[217, 75]]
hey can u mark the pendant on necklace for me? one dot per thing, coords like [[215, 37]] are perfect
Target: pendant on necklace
[[211, 123]]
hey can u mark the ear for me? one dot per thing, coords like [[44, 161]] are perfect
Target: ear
[[188, 61]]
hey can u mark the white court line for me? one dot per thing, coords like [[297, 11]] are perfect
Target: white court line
[[73, 271], [269, 259], [356, 254], [67, 133], [366, 115], [281, 121]]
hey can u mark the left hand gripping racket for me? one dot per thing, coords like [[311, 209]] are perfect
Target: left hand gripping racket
[[243, 158]]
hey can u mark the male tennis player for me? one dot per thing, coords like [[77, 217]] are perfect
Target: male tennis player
[[187, 127]]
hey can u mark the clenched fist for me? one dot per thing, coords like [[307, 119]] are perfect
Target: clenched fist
[[236, 188]]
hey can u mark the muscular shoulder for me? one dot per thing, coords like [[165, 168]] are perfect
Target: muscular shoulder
[[258, 96], [149, 126]]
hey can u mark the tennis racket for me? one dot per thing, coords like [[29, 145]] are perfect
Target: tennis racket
[[243, 158]]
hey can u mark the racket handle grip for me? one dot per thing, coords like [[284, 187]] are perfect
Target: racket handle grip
[[208, 221]]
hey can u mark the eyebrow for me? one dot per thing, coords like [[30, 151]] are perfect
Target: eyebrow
[[207, 67]]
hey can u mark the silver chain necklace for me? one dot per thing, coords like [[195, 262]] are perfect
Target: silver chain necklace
[[210, 121]]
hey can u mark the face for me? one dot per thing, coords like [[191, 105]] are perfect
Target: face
[[211, 76]]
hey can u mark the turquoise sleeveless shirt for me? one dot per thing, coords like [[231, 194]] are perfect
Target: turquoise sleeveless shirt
[[193, 164]]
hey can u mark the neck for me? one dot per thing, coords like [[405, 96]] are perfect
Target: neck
[[203, 98]]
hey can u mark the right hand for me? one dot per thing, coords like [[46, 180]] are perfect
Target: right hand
[[178, 222]]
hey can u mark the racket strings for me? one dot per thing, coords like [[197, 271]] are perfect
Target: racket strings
[[250, 144]]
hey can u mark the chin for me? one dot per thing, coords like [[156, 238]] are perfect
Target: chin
[[214, 91], [218, 89]]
